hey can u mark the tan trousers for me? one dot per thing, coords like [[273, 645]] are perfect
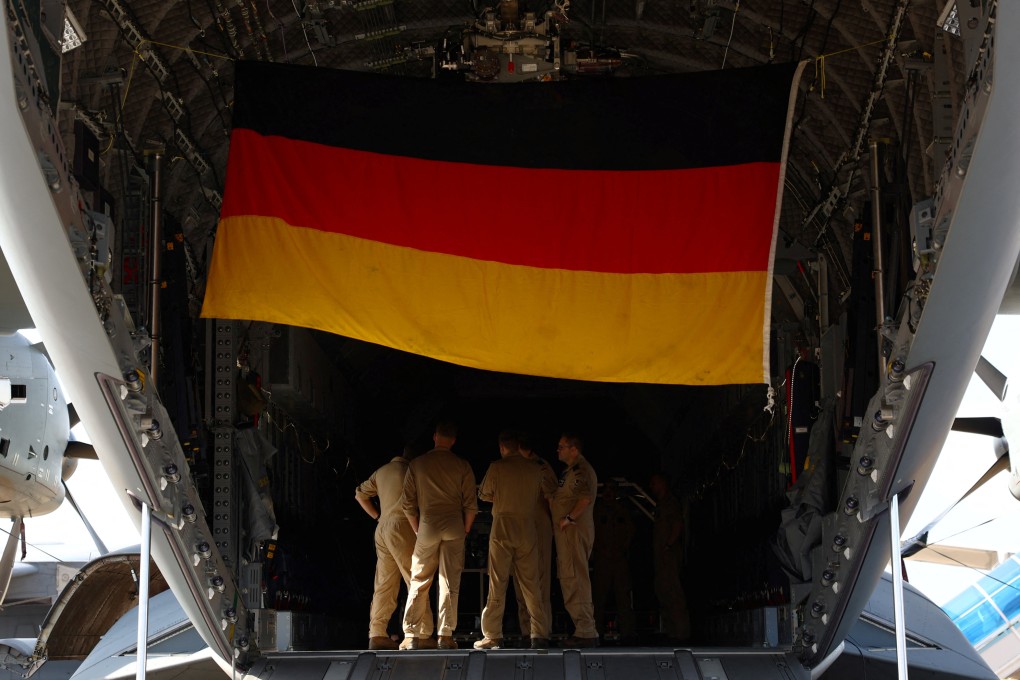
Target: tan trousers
[[512, 549], [613, 576], [676, 621], [394, 543], [543, 527], [573, 548], [439, 546]]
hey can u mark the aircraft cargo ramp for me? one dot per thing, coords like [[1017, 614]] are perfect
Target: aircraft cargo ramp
[[935, 648], [633, 663], [513, 664]]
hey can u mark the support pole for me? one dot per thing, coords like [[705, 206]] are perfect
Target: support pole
[[157, 251], [896, 564], [143, 592], [827, 382], [823, 294], [876, 249]]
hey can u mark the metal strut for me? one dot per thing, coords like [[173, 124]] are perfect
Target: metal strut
[[837, 191], [157, 252], [896, 559], [876, 248], [144, 555]]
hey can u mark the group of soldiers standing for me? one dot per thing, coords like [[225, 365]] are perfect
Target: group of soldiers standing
[[427, 506]]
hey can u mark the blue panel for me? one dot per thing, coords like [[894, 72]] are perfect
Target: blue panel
[[980, 623], [962, 603], [1002, 574], [1008, 600], [989, 583], [1007, 571]]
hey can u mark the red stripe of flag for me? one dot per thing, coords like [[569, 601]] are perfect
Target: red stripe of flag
[[716, 219]]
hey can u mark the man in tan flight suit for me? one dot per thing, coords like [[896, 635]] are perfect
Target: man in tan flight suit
[[514, 485], [614, 530], [394, 543], [441, 504], [575, 534], [544, 533], [667, 548]]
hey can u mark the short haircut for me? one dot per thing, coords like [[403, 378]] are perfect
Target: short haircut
[[573, 439], [510, 439], [446, 428]]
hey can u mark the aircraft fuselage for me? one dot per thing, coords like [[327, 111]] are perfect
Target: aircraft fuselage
[[34, 429]]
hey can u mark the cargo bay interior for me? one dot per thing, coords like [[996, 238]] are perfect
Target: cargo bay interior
[[334, 408], [722, 447]]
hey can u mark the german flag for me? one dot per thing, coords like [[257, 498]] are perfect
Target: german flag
[[617, 229]]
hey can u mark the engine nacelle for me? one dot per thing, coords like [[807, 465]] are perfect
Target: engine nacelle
[[68, 467]]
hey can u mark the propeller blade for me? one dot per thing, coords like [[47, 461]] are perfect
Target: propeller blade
[[956, 556], [80, 450], [9, 555], [1001, 465], [993, 378], [998, 383], [989, 426], [920, 541], [88, 525], [72, 416]]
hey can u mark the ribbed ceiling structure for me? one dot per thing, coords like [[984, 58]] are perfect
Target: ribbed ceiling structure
[[158, 73]]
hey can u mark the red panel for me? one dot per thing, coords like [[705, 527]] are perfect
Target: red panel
[[663, 221]]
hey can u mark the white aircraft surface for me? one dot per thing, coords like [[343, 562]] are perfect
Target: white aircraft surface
[[968, 562]]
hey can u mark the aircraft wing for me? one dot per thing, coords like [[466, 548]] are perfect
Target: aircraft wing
[[978, 211], [13, 312]]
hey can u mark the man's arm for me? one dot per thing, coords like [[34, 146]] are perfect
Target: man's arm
[[575, 512], [485, 490], [674, 533], [549, 482], [368, 506], [587, 485], [469, 497], [364, 494], [676, 528], [409, 500]]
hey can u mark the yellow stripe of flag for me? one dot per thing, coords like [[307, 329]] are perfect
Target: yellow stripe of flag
[[534, 321]]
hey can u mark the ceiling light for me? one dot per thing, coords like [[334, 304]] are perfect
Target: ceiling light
[[950, 20], [74, 36]]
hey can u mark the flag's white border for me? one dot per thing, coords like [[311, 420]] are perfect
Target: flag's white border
[[767, 329]]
